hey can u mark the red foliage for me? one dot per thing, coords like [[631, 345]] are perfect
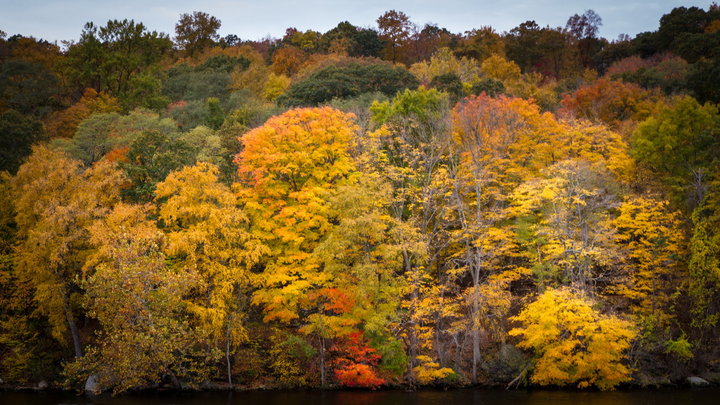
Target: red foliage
[[356, 363], [337, 300]]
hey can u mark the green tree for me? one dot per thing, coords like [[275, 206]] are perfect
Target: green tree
[[345, 81], [17, 135], [195, 32]]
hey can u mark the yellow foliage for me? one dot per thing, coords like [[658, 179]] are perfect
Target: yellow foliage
[[443, 61], [499, 68], [275, 86], [428, 372], [652, 238], [573, 343]]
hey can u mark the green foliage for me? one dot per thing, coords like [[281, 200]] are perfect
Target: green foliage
[[108, 58], [188, 84], [344, 81], [150, 158], [490, 86], [449, 83], [103, 133], [17, 134], [27, 87], [680, 143]]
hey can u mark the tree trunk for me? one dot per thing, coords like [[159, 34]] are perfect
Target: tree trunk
[[227, 355], [73, 327], [322, 362]]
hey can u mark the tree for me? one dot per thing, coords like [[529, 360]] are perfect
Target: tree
[[345, 81], [116, 58], [652, 237], [151, 157], [610, 102], [573, 343], [137, 300], [584, 28], [290, 168], [28, 88], [17, 135], [55, 202], [410, 147], [210, 244], [63, 124], [492, 141], [680, 143], [395, 29], [195, 32]]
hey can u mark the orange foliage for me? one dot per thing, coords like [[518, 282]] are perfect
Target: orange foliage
[[63, 124], [287, 61], [610, 102], [356, 362]]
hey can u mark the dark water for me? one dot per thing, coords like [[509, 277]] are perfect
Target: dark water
[[469, 396]]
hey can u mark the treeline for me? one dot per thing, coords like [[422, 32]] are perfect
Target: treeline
[[361, 208]]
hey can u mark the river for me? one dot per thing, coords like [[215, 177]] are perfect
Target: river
[[452, 397]]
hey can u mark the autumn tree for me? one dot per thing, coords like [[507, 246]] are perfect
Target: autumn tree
[[396, 30], [136, 300], [679, 143], [573, 342], [492, 139], [290, 167], [56, 199], [209, 242], [413, 141]]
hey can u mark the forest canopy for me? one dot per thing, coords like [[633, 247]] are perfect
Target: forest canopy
[[396, 205]]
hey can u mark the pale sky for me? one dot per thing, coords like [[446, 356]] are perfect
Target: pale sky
[[56, 20]]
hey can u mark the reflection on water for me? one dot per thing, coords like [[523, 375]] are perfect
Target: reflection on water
[[469, 396]]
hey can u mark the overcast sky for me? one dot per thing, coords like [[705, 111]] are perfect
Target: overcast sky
[[56, 20]]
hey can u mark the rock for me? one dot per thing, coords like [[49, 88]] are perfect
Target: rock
[[92, 386], [697, 381], [42, 385]]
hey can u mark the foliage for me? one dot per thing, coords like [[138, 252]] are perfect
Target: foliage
[[347, 81], [17, 134], [195, 32], [573, 343]]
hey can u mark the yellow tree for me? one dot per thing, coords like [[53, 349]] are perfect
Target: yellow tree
[[56, 199], [651, 237], [410, 147], [137, 300], [499, 142], [210, 243], [570, 234], [290, 168], [363, 255], [574, 343]]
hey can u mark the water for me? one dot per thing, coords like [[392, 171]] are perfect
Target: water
[[453, 397]]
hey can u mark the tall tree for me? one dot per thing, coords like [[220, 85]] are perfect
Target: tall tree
[[56, 200], [195, 32], [209, 243]]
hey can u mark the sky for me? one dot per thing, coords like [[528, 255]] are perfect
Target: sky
[[55, 20]]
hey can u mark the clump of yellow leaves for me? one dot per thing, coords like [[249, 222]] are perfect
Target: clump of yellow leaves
[[573, 342], [428, 372]]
